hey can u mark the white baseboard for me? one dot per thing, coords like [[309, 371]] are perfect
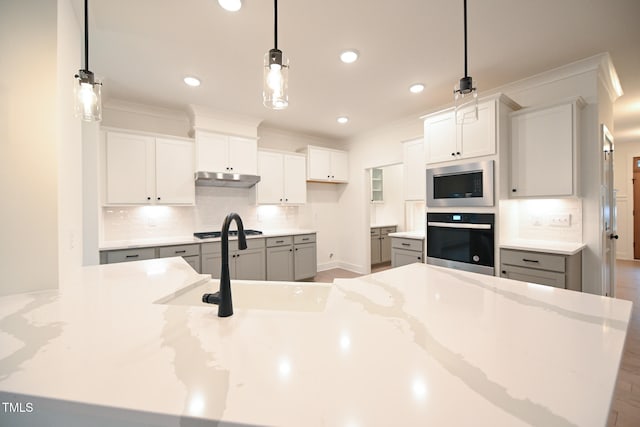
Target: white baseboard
[[343, 265]]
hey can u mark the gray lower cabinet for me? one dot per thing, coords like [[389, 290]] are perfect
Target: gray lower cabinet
[[291, 257], [280, 258], [381, 244], [124, 255], [305, 260], [284, 258], [557, 270], [375, 246], [190, 253], [406, 251], [248, 264]]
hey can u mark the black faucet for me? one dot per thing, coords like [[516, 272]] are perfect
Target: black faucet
[[223, 296]]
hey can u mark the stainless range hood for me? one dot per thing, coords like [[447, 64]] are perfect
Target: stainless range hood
[[220, 179]]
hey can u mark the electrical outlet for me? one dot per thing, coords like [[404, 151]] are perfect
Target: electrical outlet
[[560, 220], [536, 220]]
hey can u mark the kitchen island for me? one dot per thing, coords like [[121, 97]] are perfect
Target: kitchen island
[[131, 344]]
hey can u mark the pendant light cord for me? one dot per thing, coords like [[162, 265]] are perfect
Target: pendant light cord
[[86, 37], [465, 38], [275, 25]]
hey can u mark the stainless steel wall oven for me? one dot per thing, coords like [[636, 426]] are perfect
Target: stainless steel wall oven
[[461, 240]]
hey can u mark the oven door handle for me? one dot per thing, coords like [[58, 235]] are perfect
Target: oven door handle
[[459, 225]]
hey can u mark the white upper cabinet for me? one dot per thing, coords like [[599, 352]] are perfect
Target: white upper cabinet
[[143, 169], [446, 141], [327, 165], [544, 159], [414, 170], [174, 171], [440, 137], [295, 184], [224, 153], [282, 178]]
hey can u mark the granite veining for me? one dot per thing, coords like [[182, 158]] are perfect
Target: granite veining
[[131, 344]]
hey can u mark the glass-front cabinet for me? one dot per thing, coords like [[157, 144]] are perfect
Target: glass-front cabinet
[[376, 186]]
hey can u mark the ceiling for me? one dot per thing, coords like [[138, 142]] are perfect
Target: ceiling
[[142, 49]]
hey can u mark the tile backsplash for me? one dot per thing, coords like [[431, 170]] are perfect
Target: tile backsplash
[[542, 219], [212, 205]]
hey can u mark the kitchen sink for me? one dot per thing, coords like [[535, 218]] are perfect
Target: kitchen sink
[[257, 295]]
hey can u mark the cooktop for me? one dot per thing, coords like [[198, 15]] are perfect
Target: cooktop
[[214, 234]]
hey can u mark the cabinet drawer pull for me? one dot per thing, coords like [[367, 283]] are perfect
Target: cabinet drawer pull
[[132, 256], [530, 260], [180, 252], [406, 244], [279, 241], [305, 239]]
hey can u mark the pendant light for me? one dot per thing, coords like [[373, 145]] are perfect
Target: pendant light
[[465, 94], [88, 104], [276, 73]]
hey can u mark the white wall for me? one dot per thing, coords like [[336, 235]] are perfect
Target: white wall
[[391, 211], [127, 115], [623, 170], [382, 146], [69, 48], [29, 147]]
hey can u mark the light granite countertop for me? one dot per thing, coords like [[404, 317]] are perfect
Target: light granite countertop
[[548, 246], [131, 344], [416, 235], [109, 245]]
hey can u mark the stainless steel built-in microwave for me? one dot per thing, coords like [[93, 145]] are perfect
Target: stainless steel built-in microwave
[[469, 184]]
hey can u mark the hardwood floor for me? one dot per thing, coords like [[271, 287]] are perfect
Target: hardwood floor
[[625, 408]]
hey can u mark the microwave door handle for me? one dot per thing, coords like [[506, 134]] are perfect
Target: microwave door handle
[[459, 225]]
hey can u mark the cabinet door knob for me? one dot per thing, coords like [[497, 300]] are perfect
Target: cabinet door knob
[[504, 271], [158, 198], [458, 153], [286, 200], [513, 190], [419, 257], [280, 199], [148, 198], [614, 236], [453, 154]]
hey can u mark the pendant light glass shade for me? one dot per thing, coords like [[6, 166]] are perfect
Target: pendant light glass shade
[[465, 94], [276, 75], [275, 85], [466, 101], [88, 96]]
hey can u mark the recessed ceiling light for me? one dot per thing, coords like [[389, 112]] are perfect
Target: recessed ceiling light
[[230, 5], [343, 119], [192, 81], [349, 56], [416, 88]]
